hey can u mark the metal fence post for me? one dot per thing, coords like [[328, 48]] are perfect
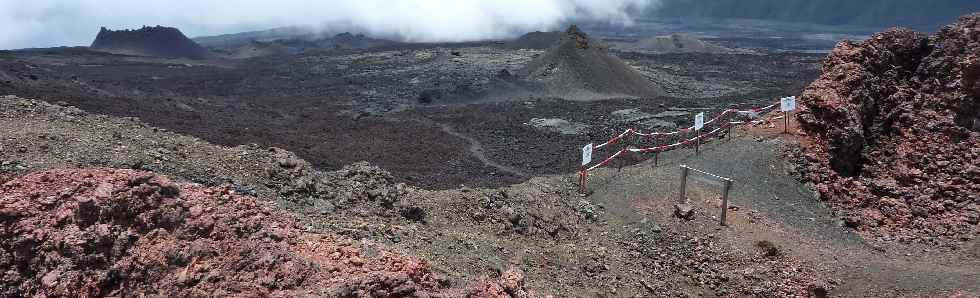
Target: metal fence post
[[683, 193], [724, 202]]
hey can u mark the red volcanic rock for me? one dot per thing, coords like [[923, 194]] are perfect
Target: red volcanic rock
[[894, 127], [122, 232]]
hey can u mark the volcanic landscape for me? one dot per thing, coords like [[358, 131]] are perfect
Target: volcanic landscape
[[353, 166]]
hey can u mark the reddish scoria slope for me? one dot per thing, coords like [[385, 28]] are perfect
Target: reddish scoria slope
[[894, 122], [121, 232]]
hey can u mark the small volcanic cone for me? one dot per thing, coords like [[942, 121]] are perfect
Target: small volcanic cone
[[165, 42], [579, 65]]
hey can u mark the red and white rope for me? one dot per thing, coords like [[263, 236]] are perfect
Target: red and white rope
[[607, 160], [663, 148]]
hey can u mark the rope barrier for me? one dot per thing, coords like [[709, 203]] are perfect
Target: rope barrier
[[607, 160], [615, 139], [685, 141], [706, 173]]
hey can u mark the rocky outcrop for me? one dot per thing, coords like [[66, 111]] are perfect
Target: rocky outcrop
[[896, 145], [156, 41], [107, 232]]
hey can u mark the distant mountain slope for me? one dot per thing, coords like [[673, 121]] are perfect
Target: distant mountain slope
[[535, 40], [909, 13], [236, 40], [674, 43], [156, 41]]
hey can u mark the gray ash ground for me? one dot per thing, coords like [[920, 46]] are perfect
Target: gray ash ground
[[622, 240], [337, 107], [566, 244], [401, 109]]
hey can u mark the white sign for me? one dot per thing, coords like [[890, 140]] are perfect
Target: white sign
[[699, 121], [787, 104], [586, 154]]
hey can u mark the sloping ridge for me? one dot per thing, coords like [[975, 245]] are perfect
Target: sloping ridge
[[580, 65], [158, 41], [536, 40], [678, 43]]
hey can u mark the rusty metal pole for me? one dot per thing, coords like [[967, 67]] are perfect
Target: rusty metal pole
[[697, 144], [786, 122], [683, 193], [582, 178], [622, 160], [656, 154], [729, 134], [724, 201]]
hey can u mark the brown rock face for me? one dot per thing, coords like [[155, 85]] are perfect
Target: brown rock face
[[894, 121], [122, 232]]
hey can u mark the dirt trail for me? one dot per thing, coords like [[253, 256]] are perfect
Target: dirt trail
[[476, 149], [773, 206]]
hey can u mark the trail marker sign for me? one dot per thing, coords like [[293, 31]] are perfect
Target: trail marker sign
[[586, 154], [787, 104], [699, 121]]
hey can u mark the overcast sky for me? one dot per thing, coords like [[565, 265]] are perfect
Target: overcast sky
[[47, 23]]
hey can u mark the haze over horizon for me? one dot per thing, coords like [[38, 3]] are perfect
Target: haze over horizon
[[48, 23]]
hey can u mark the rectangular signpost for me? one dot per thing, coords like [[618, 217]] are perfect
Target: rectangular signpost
[[583, 172], [787, 105], [586, 154], [698, 125]]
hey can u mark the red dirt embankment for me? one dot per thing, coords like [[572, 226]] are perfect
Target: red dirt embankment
[[112, 232], [894, 123]]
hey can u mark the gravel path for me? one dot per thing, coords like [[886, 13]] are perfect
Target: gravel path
[[783, 211]]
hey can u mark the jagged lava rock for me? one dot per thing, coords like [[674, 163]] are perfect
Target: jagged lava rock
[[108, 232], [895, 132]]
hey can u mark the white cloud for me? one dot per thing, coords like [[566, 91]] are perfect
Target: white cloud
[[43, 23]]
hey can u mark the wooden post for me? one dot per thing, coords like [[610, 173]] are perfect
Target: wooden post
[[724, 202], [683, 193]]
